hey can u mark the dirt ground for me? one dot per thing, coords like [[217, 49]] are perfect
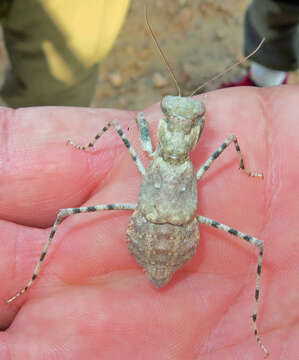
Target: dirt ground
[[200, 38]]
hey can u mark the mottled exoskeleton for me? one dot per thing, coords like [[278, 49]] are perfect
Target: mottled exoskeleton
[[163, 232]]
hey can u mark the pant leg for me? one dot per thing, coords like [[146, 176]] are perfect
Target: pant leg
[[55, 47], [278, 22]]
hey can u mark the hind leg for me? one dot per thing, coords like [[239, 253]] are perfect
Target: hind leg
[[260, 245], [62, 214]]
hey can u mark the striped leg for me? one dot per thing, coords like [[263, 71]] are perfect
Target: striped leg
[[124, 139], [256, 242], [145, 136], [232, 138], [62, 214]]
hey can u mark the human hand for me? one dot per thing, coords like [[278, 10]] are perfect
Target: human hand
[[91, 299]]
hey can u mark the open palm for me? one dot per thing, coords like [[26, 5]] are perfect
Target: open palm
[[91, 300]]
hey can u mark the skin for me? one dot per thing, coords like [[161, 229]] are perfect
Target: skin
[[91, 299]]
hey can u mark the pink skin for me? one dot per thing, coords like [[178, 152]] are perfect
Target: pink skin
[[91, 300]]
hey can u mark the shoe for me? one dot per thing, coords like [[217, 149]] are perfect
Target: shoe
[[245, 81]]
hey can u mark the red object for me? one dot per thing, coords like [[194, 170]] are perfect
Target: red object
[[245, 81]]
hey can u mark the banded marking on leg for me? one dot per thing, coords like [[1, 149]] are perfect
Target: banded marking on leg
[[62, 214], [144, 133], [232, 138], [124, 138], [256, 242]]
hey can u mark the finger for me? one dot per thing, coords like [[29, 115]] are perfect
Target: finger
[[39, 173]]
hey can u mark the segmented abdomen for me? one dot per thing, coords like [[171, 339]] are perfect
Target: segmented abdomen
[[161, 249]]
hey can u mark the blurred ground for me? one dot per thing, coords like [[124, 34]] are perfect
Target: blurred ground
[[200, 38]]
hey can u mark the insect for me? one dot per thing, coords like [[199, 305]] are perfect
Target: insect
[[163, 232]]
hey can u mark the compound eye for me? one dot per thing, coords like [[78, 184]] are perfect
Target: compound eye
[[163, 107], [203, 110]]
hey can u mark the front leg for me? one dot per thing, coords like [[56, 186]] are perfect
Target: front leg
[[232, 138], [125, 140], [260, 245], [62, 214], [144, 133]]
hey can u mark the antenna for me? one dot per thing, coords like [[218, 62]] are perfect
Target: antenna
[[160, 51], [230, 67]]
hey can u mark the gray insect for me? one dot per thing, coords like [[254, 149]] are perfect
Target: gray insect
[[163, 233]]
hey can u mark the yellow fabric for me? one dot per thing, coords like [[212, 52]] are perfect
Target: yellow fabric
[[55, 46], [89, 28]]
